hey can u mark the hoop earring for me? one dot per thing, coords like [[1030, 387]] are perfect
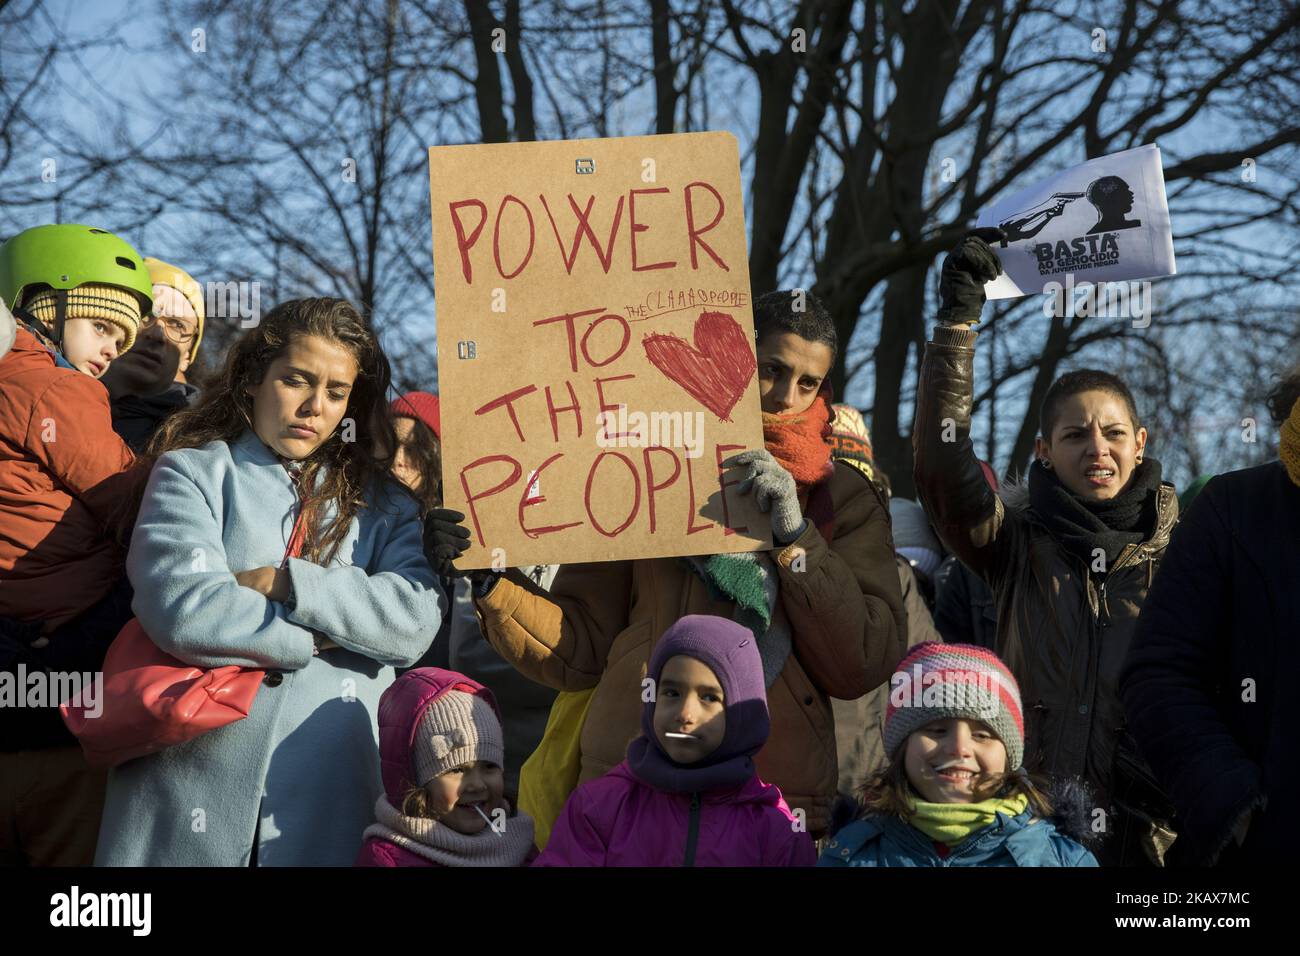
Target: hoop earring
[[1047, 465]]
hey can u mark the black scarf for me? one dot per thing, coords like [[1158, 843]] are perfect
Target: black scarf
[[1083, 525]]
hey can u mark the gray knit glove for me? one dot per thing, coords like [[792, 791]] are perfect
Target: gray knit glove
[[774, 491]]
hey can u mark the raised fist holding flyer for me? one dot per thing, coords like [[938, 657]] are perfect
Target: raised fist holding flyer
[[1105, 220]]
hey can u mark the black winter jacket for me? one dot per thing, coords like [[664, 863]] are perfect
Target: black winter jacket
[[1209, 685]]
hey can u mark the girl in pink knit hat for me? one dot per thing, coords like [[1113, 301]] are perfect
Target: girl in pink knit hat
[[441, 753], [955, 792]]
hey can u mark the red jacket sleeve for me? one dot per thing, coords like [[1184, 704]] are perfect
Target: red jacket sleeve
[[71, 434]]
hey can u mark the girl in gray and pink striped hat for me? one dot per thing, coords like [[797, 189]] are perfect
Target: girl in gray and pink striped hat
[[955, 792]]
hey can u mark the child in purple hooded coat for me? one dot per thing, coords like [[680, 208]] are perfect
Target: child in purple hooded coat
[[688, 794]]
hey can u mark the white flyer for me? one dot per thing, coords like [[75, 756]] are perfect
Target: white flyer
[[1105, 220]]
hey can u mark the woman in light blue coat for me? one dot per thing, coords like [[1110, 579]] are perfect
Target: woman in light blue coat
[[296, 431]]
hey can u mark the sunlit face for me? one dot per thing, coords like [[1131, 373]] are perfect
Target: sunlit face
[[303, 396], [405, 469], [454, 794], [689, 704], [157, 357], [91, 344], [943, 759], [791, 370], [1094, 448]]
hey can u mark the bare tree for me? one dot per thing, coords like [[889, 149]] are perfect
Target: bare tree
[[872, 132], [1004, 92]]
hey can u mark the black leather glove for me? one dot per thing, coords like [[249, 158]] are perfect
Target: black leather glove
[[965, 270], [445, 540]]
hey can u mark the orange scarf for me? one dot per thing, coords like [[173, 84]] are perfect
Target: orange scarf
[[801, 443]]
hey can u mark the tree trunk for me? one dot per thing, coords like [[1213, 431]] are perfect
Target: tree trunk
[[525, 125], [487, 82], [781, 151], [665, 70], [901, 324], [1053, 352]]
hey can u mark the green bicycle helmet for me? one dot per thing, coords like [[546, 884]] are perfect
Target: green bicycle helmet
[[67, 255]]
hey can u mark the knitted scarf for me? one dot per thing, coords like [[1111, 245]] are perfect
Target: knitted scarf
[[1289, 447], [801, 443], [950, 823], [653, 767], [1082, 525], [445, 846]]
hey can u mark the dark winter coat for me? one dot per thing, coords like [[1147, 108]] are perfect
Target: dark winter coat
[[137, 417], [1210, 678], [964, 612], [860, 723]]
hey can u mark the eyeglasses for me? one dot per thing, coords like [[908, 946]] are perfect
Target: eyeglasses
[[174, 329]]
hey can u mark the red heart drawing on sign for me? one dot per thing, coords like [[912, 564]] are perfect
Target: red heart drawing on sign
[[716, 371]]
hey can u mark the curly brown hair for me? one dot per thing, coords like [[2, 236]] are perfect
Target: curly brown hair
[[339, 473], [890, 793], [1283, 395]]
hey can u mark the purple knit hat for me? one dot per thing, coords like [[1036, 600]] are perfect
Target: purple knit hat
[[729, 650]]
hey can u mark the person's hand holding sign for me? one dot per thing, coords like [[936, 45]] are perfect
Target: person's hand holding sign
[[445, 539], [774, 490], [965, 270]]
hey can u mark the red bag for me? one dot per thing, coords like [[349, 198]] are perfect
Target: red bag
[[151, 700]]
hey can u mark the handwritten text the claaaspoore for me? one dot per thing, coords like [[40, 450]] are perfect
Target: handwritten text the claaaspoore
[[529, 231], [612, 476]]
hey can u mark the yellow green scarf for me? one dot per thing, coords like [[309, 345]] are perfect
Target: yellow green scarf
[[1289, 450], [951, 823]]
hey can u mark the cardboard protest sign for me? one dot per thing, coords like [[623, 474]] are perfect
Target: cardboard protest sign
[[1105, 220], [595, 348]]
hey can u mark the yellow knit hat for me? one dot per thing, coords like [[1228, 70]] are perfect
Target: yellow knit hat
[[162, 273], [91, 301]]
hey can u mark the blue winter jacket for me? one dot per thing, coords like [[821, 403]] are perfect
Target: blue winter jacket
[[1023, 840]]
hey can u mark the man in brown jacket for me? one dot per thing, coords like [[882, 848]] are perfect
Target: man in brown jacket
[[836, 612]]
